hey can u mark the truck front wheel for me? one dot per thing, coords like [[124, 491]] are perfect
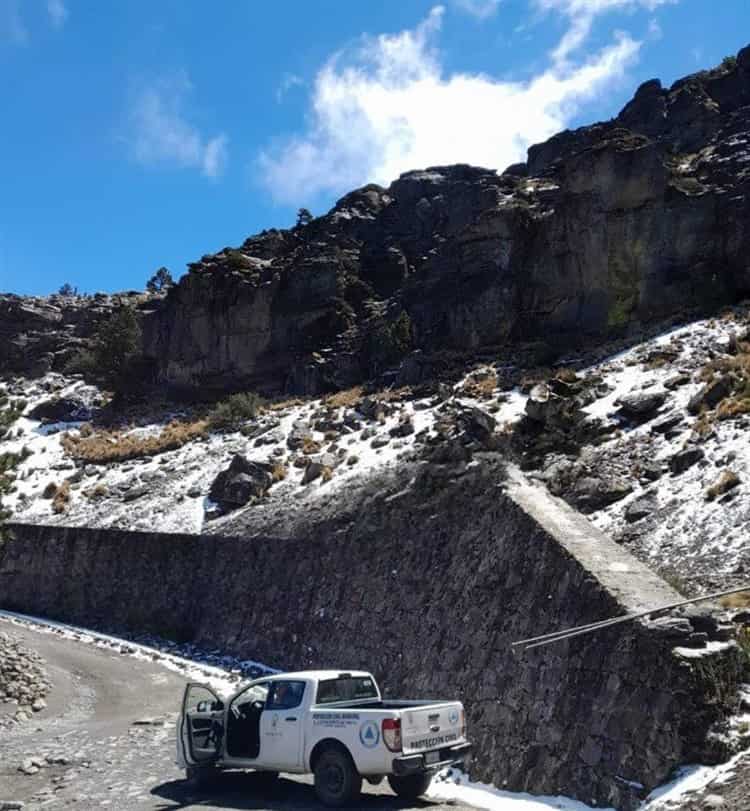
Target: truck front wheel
[[337, 782], [411, 786]]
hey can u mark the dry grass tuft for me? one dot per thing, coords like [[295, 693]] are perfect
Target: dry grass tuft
[[310, 446], [347, 398], [480, 386], [97, 491], [740, 600], [103, 447], [727, 481], [326, 474], [61, 501], [287, 402], [278, 472]]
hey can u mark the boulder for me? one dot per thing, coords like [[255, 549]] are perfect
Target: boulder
[[61, 409], [641, 406], [641, 507], [685, 459], [592, 493], [241, 482]]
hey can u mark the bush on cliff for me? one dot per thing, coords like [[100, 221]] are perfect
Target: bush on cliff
[[389, 342], [114, 352], [234, 411]]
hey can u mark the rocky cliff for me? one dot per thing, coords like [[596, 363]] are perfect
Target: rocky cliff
[[602, 230]]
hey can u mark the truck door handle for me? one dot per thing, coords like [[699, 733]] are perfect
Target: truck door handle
[[290, 719]]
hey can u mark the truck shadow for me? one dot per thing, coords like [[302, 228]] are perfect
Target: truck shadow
[[247, 790]]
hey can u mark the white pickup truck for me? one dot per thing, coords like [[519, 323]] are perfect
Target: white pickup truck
[[333, 724]]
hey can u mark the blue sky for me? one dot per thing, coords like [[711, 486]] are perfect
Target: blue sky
[[141, 133]]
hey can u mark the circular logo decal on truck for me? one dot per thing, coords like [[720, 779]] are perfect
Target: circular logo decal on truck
[[369, 734]]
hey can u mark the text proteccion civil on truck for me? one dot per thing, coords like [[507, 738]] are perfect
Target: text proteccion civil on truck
[[333, 724]]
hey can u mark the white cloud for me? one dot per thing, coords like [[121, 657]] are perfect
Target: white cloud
[[162, 135], [481, 9], [582, 14], [58, 12], [390, 107]]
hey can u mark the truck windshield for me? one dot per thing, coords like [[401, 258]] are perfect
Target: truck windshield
[[346, 688]]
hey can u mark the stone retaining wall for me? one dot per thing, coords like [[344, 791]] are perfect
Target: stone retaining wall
[[427, 590]]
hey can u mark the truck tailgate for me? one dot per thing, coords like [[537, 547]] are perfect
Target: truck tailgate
[[432, 727]]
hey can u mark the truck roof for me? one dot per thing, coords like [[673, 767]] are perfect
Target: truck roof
[[321, 675]]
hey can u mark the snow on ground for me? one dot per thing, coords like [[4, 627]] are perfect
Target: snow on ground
[[168, 492], [690, 533]]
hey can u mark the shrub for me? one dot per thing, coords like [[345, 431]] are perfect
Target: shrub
[[10, 411], [389, 342], [114, 350], [234, 411]]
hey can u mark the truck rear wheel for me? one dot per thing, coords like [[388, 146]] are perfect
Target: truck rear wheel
[[411, 786], [337, 782]]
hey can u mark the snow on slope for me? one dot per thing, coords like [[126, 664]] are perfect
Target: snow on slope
[[703, 542]]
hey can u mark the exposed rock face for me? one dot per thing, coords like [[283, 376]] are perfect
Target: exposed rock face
[[606, 227], [38, 335]]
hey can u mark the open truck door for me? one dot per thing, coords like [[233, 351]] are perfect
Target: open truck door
[[202, 726]]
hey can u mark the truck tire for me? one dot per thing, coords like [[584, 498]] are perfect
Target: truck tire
[[337, 782], [411, 786]]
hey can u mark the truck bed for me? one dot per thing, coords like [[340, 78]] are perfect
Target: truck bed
[[369, 704]]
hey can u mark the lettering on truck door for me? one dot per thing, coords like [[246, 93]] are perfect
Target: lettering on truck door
[[281, 725]]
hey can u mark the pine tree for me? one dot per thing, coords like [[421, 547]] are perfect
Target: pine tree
[[161, 279]]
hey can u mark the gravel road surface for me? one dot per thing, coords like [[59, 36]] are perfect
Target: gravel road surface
[[106, 740]]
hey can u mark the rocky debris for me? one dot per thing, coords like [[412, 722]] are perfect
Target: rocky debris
[[23, 681], [710, 395], [242, 482], [640, 406], [684, 459]]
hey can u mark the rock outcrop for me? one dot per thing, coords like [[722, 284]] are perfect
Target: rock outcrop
[[42, 334], [605, 228]]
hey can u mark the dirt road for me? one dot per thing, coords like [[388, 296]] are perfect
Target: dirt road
[[106, 740]]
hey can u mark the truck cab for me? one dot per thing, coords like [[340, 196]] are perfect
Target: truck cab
[[333, 724]]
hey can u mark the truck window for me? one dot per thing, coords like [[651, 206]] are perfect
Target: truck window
[[285, 695], [346, 688]]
